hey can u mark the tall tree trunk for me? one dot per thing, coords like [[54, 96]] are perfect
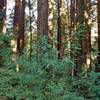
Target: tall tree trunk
[[42, 26], [72, 15], [59, 34], [4, 18], [50, 21], [20, 39], [72, 26], [42, 21], [3, 6], [30, 28], [80, 24], [16, 22], [98, 11], [86, 44], [77, 22], [19, 14]]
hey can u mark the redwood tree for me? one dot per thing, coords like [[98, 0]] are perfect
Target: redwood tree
[[19, 24], [16, 16], [86, 43], [59, 43], [83, 22], [42, 21], [42, 26]]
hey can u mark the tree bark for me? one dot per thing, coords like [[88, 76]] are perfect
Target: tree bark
[[98, 11], [42, 21], [42, 27], [50, 21], [72, 26], [59, 34], [16, 16], [3, 6], [20, 39], [82, 20], [86, 44], [18, 24], [30, 28]]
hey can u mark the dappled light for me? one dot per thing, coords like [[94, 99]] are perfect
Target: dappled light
[[49, 49]]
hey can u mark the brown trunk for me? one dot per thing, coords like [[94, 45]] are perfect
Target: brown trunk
[[72, 21], [17, 16], [72, 25], [98, 11], [30, 28], [42, 26], [42, 22], [20, 39], [19, 24], [79, 22], [59, 35], [78, 55], [86, 44], [3, 4], [72, 15]]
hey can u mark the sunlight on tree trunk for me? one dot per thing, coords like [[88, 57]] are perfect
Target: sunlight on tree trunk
[[87, 38], [50, 22]]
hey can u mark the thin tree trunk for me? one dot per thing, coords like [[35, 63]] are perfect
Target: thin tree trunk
[[50, 22], [72, 25], [98, 11], [30, 28], [3, 6], [59, 45]]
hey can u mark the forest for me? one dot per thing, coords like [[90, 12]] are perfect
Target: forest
[[49, 49]]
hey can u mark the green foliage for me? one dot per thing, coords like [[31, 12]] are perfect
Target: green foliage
[[77, 38], [49, 79], [5, 49]]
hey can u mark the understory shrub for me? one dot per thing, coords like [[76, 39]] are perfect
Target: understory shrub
[[49, 79]]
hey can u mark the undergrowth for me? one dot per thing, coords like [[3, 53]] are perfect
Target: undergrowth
[[48, 79]]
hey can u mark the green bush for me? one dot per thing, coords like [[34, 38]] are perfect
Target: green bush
[[48, 79]]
